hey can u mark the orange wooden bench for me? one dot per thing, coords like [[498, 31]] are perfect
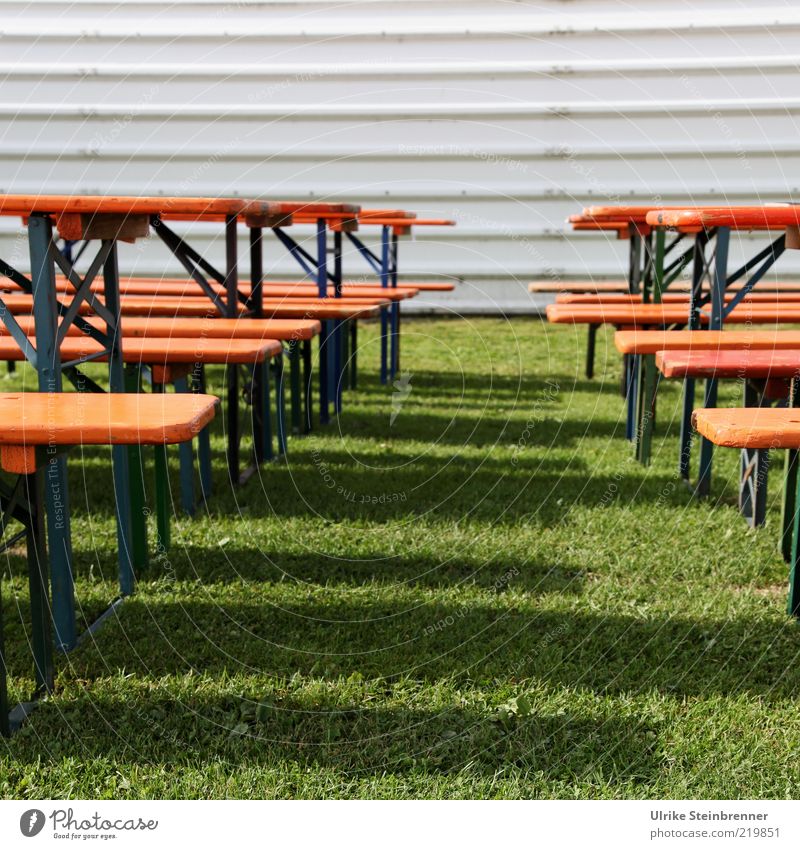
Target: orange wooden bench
[[758, 429], [640, 342], [171, 360], [771, 298], [767, 376], [749, 427], [37, 427], [739, 363]]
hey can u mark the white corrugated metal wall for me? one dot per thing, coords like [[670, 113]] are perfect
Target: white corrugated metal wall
[[507, 116]]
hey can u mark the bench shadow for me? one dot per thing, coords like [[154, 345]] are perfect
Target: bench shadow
[[351, 738], [408, 635]]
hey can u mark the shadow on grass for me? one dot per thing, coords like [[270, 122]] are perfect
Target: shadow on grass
[[353, 737], [397, 635]]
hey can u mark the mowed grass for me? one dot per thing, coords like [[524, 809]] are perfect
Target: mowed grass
[[464, 587]]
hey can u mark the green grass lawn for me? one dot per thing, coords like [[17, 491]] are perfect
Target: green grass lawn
[[486, 598]]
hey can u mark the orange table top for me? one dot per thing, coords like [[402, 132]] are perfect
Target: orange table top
[[769, 297], [616, 314], [87, 418], [244, 327], [162, 350], [750, 427], [583, 286], [773, 217], [729, 364], [652, 341], [643, 314], [172, 207], [271, 291]]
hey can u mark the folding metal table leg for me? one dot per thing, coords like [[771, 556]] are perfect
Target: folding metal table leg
[[5, 725], [308, 380], [203, 438], [753, 471], [56, 493], [41, 637], [119, 453], [137, 490], [703, 487], [163, 501], [686, 432], [324, 359], [591, 340], [186, 461], [793, 605], [262, 414], [295, 387], [354, 354], [788, 503], [280, 405]]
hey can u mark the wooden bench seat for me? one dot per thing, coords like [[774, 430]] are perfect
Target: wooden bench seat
[[162, 351], [577, 286], [638, 315], [773, 298], [35, 426], [316, 309], [31, 419], [740, 364], [749, 427], [286, 330], [640, 342]]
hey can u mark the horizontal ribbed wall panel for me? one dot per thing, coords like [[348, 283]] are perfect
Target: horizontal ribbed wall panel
[[506, 116]]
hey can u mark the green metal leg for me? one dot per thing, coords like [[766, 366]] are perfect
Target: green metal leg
[[203, 440], [295, 389], [5, 725], [353, 354], [261, 401], [753, 467], [687, 432], [788, 504], [186, 460], [646, 409], [793, 605], [119, 453], [706, 446], [280, 406], [345, 371], [591, 342], [41, 638], [162, 491], [138, 512], [308, 377], [56, 494]]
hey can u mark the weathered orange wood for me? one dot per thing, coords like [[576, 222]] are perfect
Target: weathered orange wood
[[202, 207], [150, 350], [276, 290], [322, 311], [772, 298], [85, 418], [621, 287], [652, 341], [633, 314], [213, 328], [577, 286], [637, 315], [202, 307], [729, 364], [736, 217], [750, 427]]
